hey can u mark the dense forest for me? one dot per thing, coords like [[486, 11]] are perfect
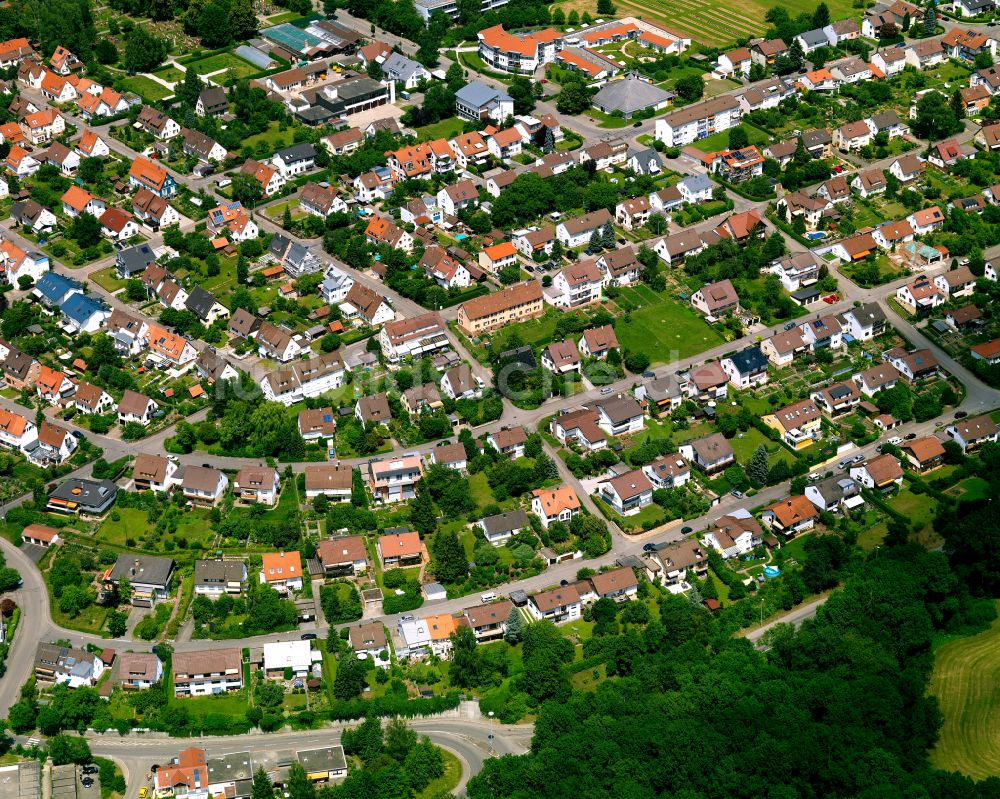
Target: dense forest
[[838, 708]]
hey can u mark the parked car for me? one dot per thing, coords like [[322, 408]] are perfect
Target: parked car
[[961, 414], [308, 637], [910, 436], [636, 124], [737, 494], [686, 530], [789, 325], [895, 441], [648, 547]]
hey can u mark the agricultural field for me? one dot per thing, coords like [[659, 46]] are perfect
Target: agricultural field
[[707, 21], [964, 681]]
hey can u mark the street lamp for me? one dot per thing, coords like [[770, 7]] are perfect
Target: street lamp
[[492, 749]]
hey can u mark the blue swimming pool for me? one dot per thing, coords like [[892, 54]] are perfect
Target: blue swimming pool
[[818, 234], [460, 237], [771, 571]]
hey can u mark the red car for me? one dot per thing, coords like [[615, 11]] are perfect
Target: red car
[[837, 170], [830, 299]]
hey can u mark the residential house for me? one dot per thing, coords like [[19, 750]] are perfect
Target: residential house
[[576, 285], [136, 408], [91, 399], [882, 473], [330, 479], [552, 505], [257, 485], [923, 454], [508, 441], [343, 555], [711, 453], [781, 348], [576, 232], [138, 671], [304, 379], [798, 424], [153, 472], [366, 306], [202, 484], [400, 549], [917, 365], [920, 296], [619, 415], [746, 368], [875, 378], [628, 493], [369, 641], [972, 432], [597, 342], [281, 571], [459, 382], [790, 516], [557, 605], [907, 168], [145, 174], [835, 493], [157, 123], [394, 480], [838, 398], [213, 578], [204, 673], [734, 534], [150, 577], [958, 282], [716, 299], [500, 528], [62, 665]]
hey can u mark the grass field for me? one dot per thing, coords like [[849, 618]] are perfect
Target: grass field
[[707, 21], [445, 129], [223, 61], [663, 329], [146, 88], [273, 137], [169, 74], [964, 681]]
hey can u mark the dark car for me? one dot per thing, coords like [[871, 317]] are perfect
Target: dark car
[[789, 325], [910, 436], [308, 637], [69, 414], [636, 124], [648, 547], [649, 374], [564, 582], [87, 782], [90, 769], [686, 530], [961, 414]]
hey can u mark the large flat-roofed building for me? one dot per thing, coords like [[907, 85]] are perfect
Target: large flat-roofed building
[[327, 763]]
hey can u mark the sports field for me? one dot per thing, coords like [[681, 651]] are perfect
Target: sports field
[[710, 22], [965, 679]]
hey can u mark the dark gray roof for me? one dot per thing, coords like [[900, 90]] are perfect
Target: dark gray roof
[[749, 360], [505, 522], [297, 152], [216, 571], [213, 97], [144, 569], [630, 94], [135, 259], [88, 493], [200, 302]]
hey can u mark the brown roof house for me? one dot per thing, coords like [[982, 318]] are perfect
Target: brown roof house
[[790, 516]]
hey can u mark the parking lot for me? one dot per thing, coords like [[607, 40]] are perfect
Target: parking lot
[[67, 783]]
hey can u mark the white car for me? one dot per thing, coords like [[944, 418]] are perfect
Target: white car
[[895, 441]]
